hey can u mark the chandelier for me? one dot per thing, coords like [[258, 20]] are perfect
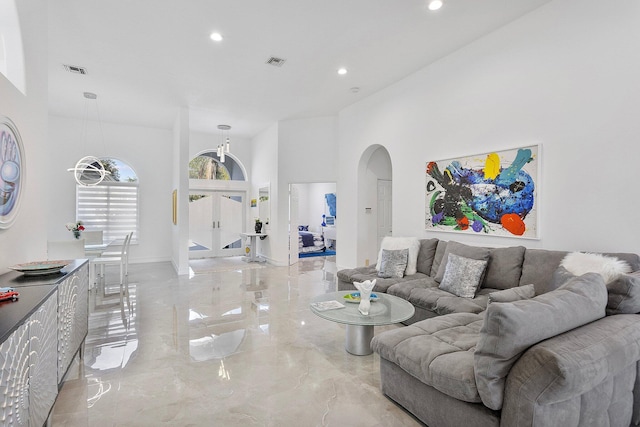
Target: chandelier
[[89, 170], [225, 145]]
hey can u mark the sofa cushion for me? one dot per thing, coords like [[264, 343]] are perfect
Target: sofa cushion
[[513, 294], [411, 243], [462, 275], [438, 352], [473, 252], [393, 263], [442, 302], [512, 327], [426, 255], [441, 248], [624, 294], [403, 289], [538, 268], [347, 274], [504, 268]]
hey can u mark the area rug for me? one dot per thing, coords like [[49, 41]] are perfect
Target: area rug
[[312, 254], [215, 265]]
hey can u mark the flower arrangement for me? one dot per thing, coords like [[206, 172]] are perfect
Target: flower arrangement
[[75, 228]]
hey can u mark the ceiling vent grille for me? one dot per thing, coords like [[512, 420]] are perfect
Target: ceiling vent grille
[[276, 62], [75, 69]]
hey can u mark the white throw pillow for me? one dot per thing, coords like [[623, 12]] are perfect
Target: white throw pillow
[[393, 243], [610, 268]]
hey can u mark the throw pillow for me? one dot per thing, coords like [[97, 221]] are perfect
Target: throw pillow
[[473, 252], [411, 243], [511, 328], [462, 276], [610, 268], [303, 228], [514, 294], [624, 294], [393, 263]]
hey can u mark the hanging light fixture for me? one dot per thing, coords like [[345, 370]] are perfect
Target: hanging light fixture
[[225, 143], [89, 170]]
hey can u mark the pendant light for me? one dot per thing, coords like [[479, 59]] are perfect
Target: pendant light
[[225, 143], [89, 170]]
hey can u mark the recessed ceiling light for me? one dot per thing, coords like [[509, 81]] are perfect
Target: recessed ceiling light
[[216, 37], [342, 71], [435, 4]]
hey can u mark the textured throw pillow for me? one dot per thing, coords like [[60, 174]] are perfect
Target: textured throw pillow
[[511, 328], [624, 294], [303, 228], [608, 267], [473, 252], [462, 276], [411, 243], [513, 294], [393, 263]]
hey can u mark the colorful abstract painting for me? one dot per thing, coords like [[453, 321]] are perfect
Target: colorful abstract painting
[[493, 193]]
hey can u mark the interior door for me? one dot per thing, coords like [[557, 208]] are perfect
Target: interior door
[[384, 209], [216, 219], [293, 224]]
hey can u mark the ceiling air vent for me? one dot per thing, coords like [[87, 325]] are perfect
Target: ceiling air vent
[[75, 69], [276, 62]]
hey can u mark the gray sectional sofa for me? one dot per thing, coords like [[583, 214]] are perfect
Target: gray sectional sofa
[[567, 356]]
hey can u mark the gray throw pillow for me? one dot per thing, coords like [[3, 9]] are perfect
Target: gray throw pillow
[[473, 252], [513, 294], [393, 263], [462, 276], [510, 328], [624, 294]]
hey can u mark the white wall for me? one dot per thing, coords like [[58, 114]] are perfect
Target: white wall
[[564, 76], [307, 150], [147, 150], [26, 239]]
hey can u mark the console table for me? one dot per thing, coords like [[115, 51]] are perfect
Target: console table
[[253, 252], [40, 334]]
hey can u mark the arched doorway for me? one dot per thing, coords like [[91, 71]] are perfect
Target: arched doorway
[[375, 208]]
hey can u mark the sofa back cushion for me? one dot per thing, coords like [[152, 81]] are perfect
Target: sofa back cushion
[[472, 252], [426, 255], [504, 268], [437, 259], [512, 327], [538, 268]]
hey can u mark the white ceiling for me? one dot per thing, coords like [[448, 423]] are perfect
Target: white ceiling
[[146, 58]]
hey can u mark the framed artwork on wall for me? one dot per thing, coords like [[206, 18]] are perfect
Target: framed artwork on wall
[[493, 193], [12, 172]]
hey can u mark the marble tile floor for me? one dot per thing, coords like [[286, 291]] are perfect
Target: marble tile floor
[[231, 348]]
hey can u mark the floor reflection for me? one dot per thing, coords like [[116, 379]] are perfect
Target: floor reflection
[[234, 347]]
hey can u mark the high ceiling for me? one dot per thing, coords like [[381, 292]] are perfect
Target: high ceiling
[[146, 58]]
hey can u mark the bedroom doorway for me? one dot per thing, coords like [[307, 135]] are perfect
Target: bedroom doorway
[[312, 220]]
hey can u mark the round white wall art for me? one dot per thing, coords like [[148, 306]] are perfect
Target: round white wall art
[[12, 171]]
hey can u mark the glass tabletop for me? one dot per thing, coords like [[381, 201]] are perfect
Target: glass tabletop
[[387, 309]]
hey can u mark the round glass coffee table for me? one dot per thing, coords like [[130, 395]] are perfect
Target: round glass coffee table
[[386, 310]]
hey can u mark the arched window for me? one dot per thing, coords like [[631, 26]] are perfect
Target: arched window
[[208, 166], [112, 205]]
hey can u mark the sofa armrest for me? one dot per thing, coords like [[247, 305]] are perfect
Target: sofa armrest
[[586, 373]]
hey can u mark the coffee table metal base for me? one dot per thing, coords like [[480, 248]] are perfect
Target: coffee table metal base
[[358, 339]]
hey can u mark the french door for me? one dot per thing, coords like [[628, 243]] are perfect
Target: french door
[[216, 219]]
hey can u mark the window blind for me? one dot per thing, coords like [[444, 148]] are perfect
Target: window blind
[[110, 207]]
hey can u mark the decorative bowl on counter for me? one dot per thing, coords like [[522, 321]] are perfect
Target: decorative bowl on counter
[[40, 268]]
